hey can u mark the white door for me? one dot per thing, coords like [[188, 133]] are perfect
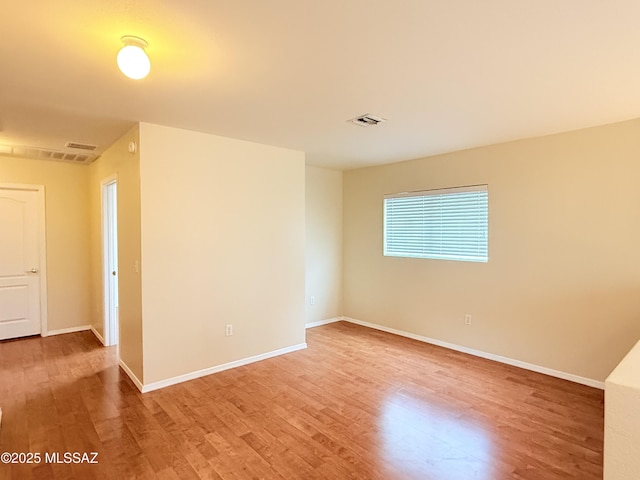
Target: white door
[[110, 259], [19, 263]]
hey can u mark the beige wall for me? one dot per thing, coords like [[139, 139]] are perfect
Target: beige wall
[[223, 234], [117, 160], [67, 214], [323, 243], [562, 284]]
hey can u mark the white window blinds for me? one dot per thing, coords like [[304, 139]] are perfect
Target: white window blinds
[[449, 224]]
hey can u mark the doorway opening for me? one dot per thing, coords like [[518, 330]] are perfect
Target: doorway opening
[[110, 258]]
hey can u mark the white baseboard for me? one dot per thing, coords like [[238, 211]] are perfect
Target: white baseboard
[[490, 356], [136, 381], [97, 334], [219, 368], [62, 331], [322, 322]]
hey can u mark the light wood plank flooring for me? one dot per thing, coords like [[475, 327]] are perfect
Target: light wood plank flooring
[[357, 404]]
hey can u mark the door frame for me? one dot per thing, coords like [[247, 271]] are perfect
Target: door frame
[[107, 328], [42, 247]]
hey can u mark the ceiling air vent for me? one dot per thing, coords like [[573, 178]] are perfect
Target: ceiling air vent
[[46, 154], [367, 120], [81, 146]]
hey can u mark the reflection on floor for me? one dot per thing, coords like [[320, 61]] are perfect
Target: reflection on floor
[[419, 437]]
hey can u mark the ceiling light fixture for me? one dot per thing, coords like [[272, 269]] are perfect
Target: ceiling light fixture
[[132, 59]]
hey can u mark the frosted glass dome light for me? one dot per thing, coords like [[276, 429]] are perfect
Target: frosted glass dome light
[[132, 59]]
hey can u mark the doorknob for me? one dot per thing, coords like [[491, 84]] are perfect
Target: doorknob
[[113, 273], [33, 270]]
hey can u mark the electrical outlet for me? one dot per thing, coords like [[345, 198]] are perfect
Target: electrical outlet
[[229, 330], [312, 300], [467, 319]]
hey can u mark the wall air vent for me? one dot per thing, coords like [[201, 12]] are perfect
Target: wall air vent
[[46, 154], [367, 120], [81, 146]]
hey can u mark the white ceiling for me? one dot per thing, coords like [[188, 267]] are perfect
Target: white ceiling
[[447, 74]]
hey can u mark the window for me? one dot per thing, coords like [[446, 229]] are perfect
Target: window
[[448, 224]]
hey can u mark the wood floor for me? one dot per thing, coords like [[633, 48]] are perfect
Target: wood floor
[[357, 404]]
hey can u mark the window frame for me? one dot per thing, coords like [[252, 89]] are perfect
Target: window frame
[[482, 255]]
